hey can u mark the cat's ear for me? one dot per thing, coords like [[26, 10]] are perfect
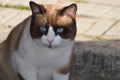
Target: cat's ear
[[36, 8], [70, 10]]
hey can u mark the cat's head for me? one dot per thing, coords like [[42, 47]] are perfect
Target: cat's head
[[51, 24]]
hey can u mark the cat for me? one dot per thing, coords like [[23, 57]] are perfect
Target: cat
[[41, 47]]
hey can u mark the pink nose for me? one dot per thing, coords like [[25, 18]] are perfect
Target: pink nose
[[50, 41]]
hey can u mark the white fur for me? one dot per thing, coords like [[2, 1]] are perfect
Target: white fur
[[56, 41], [57, 76], [50, 35], [35, 61]]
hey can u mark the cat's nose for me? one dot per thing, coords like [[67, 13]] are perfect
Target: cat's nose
[[50, 41]]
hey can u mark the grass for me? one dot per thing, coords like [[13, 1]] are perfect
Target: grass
[[94, 37], [23, 7], [99, 37], [77, 1], [20, 6]]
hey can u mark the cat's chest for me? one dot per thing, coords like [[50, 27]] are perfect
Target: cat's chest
[[44, 56]]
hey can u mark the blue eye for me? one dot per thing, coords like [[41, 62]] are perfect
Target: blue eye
[[43, 29], [60, 30]]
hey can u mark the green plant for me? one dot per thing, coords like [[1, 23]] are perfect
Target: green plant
[[21, 7]]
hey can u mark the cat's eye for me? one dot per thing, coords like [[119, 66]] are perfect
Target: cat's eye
[[43, 29], [59, 30]]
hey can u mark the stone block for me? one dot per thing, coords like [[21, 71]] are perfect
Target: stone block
[[100, 27]]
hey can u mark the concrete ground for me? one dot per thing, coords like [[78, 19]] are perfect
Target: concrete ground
[[96, 19], [98, 35]]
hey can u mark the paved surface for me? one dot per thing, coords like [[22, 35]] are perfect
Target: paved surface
[[99, 18], [96, 19]]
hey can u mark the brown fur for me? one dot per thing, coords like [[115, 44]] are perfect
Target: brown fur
[[6, 49], [52, 16]]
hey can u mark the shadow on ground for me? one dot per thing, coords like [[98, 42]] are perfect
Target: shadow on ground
[[96, 60]]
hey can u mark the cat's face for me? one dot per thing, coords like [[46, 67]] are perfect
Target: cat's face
[[51, 24]]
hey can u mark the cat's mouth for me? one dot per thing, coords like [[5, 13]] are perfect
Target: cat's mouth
[[50, 46]]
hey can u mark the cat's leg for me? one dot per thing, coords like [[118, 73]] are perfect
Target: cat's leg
[[27, 71], [62, 73], [59, 76]]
